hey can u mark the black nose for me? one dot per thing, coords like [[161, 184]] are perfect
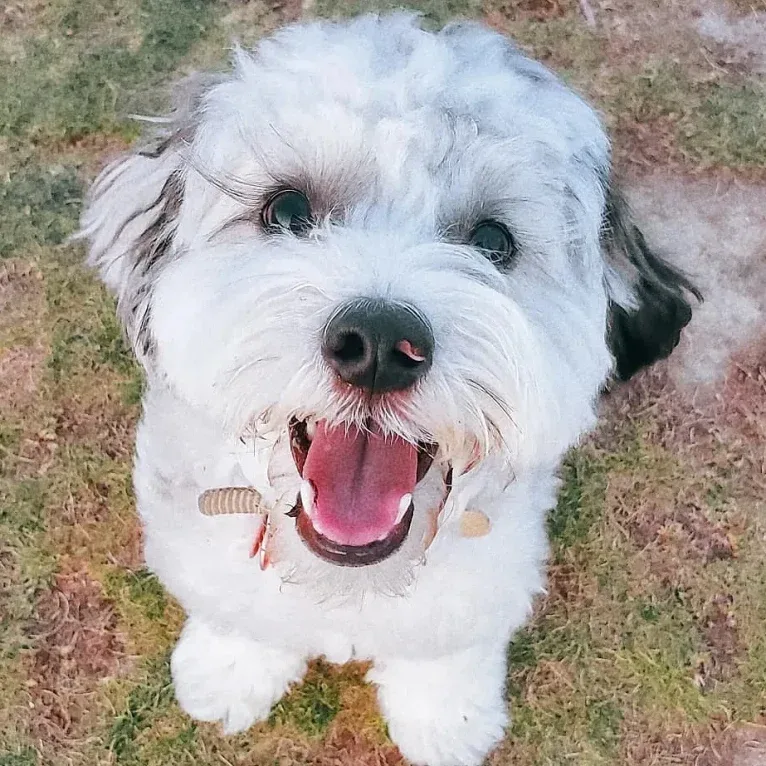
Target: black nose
[[378, 346]]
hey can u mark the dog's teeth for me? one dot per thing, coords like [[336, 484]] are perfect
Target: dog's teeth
[[308, 495], [264, 557], [311, 429], [404, 506]]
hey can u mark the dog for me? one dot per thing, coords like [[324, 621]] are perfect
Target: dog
[[377, 278]]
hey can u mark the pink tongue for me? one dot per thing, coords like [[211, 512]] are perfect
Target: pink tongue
[[359, 478]]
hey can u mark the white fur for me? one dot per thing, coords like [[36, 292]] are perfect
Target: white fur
[[405, 134]]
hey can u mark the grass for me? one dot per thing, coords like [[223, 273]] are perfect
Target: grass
[[145, 702], [23, 757], [714, 123], [651, 636], [581, 499], [84, 88], [40, 207], [312, 706], [435, 12]]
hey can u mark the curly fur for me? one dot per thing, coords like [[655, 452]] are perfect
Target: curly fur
[[402, 139]]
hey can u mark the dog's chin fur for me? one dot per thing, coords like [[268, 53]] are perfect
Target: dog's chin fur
[[402, 140]]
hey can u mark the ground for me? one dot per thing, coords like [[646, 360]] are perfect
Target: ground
[[650, 646]]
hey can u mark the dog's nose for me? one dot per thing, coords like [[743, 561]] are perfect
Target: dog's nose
[[378, 346]]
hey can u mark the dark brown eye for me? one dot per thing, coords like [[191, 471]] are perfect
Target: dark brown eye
[[495, 240], [287, 210]]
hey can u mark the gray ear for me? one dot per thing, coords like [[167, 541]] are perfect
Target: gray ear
[[650, 304], [131, 212]]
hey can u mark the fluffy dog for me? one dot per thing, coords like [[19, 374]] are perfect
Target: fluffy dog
[[380, 276]]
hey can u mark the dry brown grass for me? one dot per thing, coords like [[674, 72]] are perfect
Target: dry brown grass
[[76, 646]]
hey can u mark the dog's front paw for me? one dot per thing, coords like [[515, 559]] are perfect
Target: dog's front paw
[[445, 712], [228, 678]]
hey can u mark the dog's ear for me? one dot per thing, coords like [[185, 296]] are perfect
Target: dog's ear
[[131, 212], [649, 301]]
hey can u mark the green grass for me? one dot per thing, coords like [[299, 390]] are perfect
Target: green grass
[[311, 706], [581, 498], [28, 569], [142, 588], [435, 12], [730, 127], [146, 701], [73, 85], [86, 335], [40, 207], [716, 122], [23, 757]]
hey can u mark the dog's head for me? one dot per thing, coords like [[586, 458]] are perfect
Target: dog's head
[[395, 257]]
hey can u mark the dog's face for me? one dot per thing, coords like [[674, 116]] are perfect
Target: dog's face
[[381, 254]]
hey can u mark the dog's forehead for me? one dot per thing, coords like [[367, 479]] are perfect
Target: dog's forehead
[[380, 84]]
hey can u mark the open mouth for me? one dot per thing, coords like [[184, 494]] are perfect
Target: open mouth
[[356, 501]]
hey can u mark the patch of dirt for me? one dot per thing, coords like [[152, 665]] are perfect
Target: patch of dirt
[[703, 34], [21, 293], [90, 153], [564, 584], [744, 35], [535, 10], [76, 647], [721, 743], [643, 146], [743, 398], [548, 679], [247, 21], [129, 555], [287, 10], [17, 19], [20, 371], [718, 626], [88, 504], [715, 230], [684, 533], [741, 744], [98, 419], [718, 429], [37, 453], [345, 747]]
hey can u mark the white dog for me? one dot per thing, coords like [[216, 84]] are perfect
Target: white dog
[[379, 276]]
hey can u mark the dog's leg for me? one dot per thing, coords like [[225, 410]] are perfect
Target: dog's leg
[[448, 711], [229, 678]]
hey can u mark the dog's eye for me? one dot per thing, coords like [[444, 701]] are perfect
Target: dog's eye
[[495, 240], [288, 210]]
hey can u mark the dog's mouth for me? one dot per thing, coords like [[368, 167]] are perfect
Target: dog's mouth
[[356, 501]]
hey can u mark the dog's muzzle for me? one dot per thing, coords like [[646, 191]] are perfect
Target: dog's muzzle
[[356, 500]]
